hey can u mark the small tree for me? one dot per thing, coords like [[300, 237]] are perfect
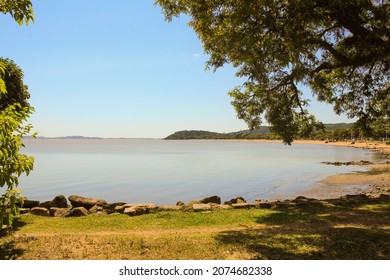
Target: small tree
[[14, 111]]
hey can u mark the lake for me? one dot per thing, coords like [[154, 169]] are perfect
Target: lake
[[166, 171]]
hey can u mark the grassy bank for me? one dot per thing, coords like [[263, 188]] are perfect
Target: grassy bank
[[333, 229]]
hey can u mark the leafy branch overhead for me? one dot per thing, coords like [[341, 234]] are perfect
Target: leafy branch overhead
[[20, 10], [340, 49]]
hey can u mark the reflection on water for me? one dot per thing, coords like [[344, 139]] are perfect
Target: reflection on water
[[163, 172]]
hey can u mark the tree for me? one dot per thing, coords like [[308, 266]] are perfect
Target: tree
[[14, 111], [339, 49]]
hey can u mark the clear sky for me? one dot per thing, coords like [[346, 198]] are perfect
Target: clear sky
[[118, 69]]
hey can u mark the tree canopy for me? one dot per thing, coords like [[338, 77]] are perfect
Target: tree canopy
[[340, 49], [14, 89], [14, 112], [20, 10]]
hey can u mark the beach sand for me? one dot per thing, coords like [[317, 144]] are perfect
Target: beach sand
[[374, 182]]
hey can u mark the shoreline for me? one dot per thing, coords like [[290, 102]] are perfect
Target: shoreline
[[373, 182]]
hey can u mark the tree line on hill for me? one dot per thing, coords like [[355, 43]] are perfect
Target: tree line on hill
[[332, 132]]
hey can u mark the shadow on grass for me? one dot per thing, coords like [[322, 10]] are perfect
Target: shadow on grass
[[8, 245], [334, 229]]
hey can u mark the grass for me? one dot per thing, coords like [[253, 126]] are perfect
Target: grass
[[331, 230]]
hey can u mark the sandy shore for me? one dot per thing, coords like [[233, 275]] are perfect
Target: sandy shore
[[374, 182]]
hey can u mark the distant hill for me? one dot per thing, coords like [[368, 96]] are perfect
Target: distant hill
[[260, 133]]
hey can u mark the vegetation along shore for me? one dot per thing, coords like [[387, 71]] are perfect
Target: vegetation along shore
[[353, 226]]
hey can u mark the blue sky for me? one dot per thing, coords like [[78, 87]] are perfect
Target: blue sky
[[118, 69]]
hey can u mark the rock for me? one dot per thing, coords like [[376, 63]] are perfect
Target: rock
[[111, 206], [236, 200], [119, 209], [180, 203], [45, 204], [192, 202], [30, 203], [243, 205], [201, 207], [59, 201], [79, 211], [60, 212], [265, 205], [40, 211], [95, 209], [24, 211], [136, 211], [87, 203], [150, 206], [222, 206], [171, 207], [213, 199], [300, 198]]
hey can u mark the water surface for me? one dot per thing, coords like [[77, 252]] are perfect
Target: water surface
[[163, 172]]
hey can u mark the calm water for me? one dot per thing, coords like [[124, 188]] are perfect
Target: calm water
[[164, 172]]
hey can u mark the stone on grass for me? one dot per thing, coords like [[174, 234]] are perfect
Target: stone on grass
[[23, 211], [171, 207], [150, 206], [45, 204], [59, 201], [40, 211], [180, 203], [265, 205], [30, 203], [136, 210], [95, 209], [243, 205], [87, 203], [111, 206], [236, 200], [60, 212], [213, 199], [201, 207], [119, 209], [192, 202], [79, 211]]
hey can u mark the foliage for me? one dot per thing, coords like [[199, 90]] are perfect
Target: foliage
[[339, 131], [14, 111], [20, 10], [16, 91], [339, 49], [12, 129]]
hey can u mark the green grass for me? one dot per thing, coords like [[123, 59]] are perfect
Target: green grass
[[331, 230]]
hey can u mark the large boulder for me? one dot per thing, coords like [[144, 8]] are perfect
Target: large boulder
[[60, 212], [235, 200], [87, 203], [40, 211], [45, 204], [59, 201], [211, 199], [79, 211], [30, 203], [136, 210]]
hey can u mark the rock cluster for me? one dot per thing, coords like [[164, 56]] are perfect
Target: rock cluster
[[82, 206], [338, 163]]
